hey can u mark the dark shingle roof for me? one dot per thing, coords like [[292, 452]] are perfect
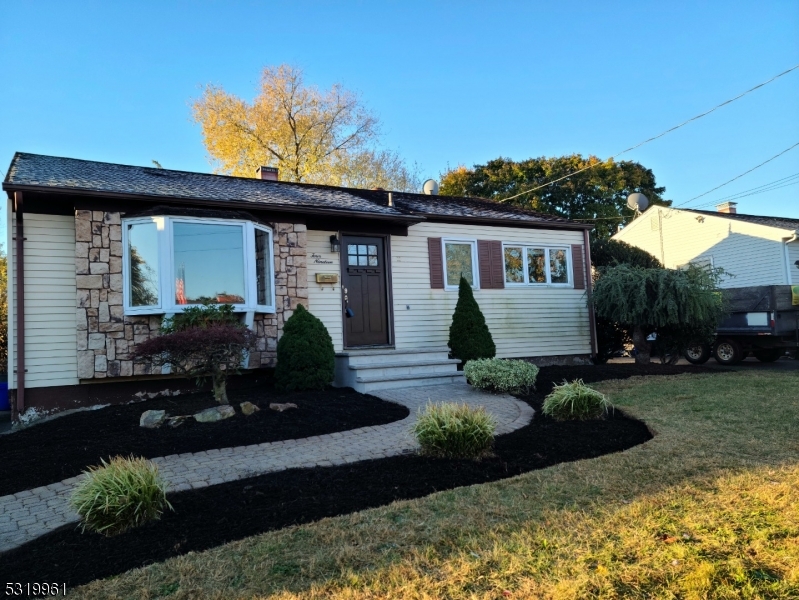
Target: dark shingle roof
[[779, 222], [97, 177]]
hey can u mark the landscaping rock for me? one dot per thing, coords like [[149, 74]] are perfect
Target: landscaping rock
[[152, 419], [281, 407], [248, 408], [217, 413], [176, 421]]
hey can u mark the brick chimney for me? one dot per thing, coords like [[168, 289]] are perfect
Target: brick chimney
[[727, 207], [268, 173]]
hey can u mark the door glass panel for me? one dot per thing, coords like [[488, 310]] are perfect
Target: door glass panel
[[372, 250], [536, 265], [209, 263], [362, 261], [558, 266], [352, 249], [372, 261], [352, 260], [459, 263], [361, 249], [514, 265], [143, 264]]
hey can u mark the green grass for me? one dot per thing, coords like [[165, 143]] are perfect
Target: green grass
[[707, 509]]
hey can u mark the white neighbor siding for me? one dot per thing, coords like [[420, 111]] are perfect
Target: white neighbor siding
[[50, 295], [793, 257], [524, 322], [324, 299], [754, 254]]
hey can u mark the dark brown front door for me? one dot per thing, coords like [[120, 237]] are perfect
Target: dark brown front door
[[364, 281]]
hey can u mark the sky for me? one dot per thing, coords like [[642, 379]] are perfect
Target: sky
[[454, 83]]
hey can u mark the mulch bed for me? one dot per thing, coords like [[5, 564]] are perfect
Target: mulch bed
[[212, 516], [64, 447]]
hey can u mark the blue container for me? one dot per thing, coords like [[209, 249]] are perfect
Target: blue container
[[4, 405]]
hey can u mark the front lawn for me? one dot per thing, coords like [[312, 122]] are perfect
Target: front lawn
[[705, 509]]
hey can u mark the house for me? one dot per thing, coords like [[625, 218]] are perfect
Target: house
[[754, 250], [105, 251]]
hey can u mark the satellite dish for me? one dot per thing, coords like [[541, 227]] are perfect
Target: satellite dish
[[430, 187], [637, 202]]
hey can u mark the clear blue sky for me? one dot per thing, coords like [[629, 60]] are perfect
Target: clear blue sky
[[453, 82]]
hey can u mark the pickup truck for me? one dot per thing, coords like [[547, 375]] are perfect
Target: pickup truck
[[762, 320]]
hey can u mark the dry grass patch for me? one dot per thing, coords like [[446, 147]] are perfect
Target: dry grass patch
[[707, 509]]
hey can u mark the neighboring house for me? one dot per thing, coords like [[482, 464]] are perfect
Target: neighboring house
[[122, 246], [755, 250]]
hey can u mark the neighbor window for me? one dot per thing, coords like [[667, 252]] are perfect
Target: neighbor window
[[461, 261], [534, 265], [173, 262]]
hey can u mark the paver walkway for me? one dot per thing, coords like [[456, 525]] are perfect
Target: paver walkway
[[26, 515]]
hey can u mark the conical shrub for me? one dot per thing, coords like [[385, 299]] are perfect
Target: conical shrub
[[305, 356], [469, 337]]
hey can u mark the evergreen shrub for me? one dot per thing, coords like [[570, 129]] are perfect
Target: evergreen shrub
[[498, 375], [575, 400], [119, 495], [469, 337], [305, 356], [451, 430]]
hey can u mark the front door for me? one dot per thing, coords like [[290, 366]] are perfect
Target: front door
[[363, 281]]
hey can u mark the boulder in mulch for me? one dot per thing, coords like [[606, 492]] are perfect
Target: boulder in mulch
[[216, 413], [281, 407], [248, 408], [152, 419]]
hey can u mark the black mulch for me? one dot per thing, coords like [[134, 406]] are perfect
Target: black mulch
[[223, 513], [65, 446]]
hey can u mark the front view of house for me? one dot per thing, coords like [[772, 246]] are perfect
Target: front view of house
[[99, 253]]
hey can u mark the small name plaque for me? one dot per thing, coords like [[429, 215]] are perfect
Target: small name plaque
[[327, 278]]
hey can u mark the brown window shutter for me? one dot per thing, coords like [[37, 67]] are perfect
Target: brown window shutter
[[484, 262], [578, 262], [497, 266], [436, 263]]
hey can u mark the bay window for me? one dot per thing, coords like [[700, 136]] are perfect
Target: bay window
[[173, 262], [536, 265]]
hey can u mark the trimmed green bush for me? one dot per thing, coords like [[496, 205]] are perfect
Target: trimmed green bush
[[577, 401], [119, 495], [451, 430], [305, 356], [499, 375], [469, 337]]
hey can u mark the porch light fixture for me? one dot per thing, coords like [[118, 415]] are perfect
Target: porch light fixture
[[335, 244]]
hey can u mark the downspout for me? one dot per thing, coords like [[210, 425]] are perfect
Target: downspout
[[588, 288], [20, 304]]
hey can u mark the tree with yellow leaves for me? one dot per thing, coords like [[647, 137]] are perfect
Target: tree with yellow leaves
[[311, 136]]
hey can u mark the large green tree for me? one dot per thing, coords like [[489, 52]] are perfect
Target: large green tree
[[683, 304], [597, 195]]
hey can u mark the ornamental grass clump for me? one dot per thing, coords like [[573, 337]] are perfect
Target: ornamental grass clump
[[119, 495], [576, 401], [499, 375], [451, 430]]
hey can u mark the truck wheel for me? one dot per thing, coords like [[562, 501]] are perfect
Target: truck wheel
[[698, 355], [768, 354], [728, 352]]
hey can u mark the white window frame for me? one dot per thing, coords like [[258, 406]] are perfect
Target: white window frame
[[475, 263], [166, 265], [547, 270]]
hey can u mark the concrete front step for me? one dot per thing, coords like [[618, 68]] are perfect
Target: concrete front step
[[406, 381], [386, 368]]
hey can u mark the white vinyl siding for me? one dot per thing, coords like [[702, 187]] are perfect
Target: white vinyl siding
[[324, 299], [793, 258], [754, 254], [50, 296], [524, 321]]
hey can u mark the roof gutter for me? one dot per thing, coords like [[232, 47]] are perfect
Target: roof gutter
[[510, 222], [281, 208]]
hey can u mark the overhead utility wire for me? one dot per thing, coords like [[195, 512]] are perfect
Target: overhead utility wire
[[738, 176], [766, 187], [776, 187], [655, 137]]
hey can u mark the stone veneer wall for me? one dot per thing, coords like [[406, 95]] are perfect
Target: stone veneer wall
[[107, 338]]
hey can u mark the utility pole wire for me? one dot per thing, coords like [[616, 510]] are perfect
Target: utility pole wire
[[655, 137], [738, 176]]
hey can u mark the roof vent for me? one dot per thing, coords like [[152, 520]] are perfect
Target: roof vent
[[267, 173], [727, 207]]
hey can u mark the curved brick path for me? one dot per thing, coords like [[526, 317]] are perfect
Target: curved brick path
[[27, 515]]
